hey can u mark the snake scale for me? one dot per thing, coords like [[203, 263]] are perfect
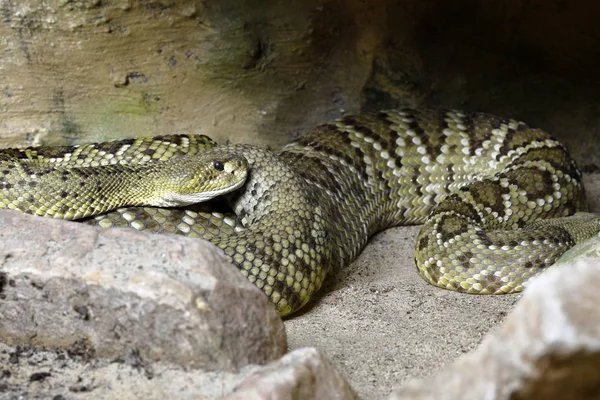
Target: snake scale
[[499, 201]]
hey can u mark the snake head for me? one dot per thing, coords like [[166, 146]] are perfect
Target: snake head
[[203, 176]]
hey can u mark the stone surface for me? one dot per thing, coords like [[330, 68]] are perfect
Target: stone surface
[[119, 293], [302, 374], [548, 348], [259, 72], [27, 373], [587, 251], [84, 71]]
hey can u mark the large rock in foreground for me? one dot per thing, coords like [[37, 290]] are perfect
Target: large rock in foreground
[[548, 348], [118, 292]]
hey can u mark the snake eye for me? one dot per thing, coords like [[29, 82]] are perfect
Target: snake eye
[[218, 166]]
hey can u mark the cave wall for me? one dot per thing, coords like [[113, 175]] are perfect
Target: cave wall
[[262, 71], [252, 71]]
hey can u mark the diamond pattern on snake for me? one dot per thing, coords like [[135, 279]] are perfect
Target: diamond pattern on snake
[[499, 201]]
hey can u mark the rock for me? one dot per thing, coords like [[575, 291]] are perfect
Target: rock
[[30, 373], [548, 347], [119, 293], [302, 374], [27, 373], [588, 251]]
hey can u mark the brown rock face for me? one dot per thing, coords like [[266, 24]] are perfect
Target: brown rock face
[[548, 348], [259, 72], [110, 293], [246, 71]]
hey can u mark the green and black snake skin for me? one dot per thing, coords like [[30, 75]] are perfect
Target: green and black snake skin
[[73, 182], [496, 197]]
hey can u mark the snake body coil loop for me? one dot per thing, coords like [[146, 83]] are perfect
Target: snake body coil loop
[[499, 201]]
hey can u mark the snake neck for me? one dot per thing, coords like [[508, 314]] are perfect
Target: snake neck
[[285, 248]]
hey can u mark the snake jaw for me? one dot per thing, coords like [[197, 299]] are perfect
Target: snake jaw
[[178, 199]]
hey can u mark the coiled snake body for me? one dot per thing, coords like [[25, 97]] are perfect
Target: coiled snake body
[[497, 199]]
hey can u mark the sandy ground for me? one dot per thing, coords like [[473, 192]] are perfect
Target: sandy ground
[[377, 320]]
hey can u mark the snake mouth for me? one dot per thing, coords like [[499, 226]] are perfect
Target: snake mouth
[[174, 199], [218, 192]]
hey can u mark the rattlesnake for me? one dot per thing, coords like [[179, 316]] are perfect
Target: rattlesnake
[[496, 197]]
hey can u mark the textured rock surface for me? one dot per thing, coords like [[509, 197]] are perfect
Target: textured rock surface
[[302, 374], [248, 71], [117, 293], [548, 348], [91, 70], [36, 374]]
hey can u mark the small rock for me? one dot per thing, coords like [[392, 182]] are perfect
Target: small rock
[[39, 376], [302, 374], [588, 250], [548, 347], [117, 292]]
